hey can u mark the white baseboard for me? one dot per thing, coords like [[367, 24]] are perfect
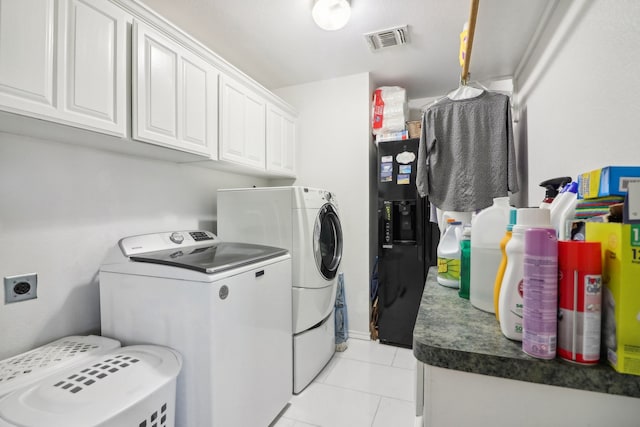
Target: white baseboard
[[359, 335]]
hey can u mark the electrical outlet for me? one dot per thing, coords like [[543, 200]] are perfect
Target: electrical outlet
[[20, 288]]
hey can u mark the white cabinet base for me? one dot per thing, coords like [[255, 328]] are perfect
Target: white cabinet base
[[455, 398]]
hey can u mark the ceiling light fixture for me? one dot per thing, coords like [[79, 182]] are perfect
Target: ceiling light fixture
[[331, 15]]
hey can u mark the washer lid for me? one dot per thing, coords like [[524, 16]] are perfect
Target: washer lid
[[220, 256]]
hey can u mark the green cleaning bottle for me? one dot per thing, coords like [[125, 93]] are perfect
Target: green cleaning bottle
[[465, 262]]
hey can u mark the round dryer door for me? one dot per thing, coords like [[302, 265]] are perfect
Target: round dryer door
[[327, 241]]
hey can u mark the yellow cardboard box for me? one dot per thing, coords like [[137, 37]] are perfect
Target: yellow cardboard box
[[621, 295]]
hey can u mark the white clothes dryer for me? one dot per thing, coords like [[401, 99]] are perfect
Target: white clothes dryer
[[224, 306], [304, 221]]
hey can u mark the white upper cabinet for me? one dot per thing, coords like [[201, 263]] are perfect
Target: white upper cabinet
[[27, 55], [281, 137], [175, 94], [72, 70], [94, 69], [114, 67], [242, 124]]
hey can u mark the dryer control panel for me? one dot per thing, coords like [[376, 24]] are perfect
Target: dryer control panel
[[144, 243], [316, 198]]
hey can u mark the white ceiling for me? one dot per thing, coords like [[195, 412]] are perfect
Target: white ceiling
[[277, 43]]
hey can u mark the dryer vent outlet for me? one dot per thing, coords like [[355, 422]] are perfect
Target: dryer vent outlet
[[20, 288]]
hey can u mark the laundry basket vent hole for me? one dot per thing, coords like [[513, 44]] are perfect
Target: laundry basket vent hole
[[153, 419], [42, 357], [88, 376]]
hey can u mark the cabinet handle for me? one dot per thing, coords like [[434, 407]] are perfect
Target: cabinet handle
[[259, 273]]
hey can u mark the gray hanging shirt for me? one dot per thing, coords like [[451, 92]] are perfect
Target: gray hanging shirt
[[466, 155]]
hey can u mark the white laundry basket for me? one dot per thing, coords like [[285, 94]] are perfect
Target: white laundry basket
[[129, 387], [29, 367]]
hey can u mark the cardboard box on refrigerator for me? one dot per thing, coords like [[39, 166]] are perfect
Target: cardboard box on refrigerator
[[621, 295]]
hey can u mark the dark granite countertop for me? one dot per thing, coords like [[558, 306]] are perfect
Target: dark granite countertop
[[451, 333]]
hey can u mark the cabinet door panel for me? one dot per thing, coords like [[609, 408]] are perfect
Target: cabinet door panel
[[155, 88], [274, 140], [27, 55], [95, 67], [242, 125], [289, 145], [199, 105], [194, 93], [281, 134], [255, 131], [233, 122], [161, 85]]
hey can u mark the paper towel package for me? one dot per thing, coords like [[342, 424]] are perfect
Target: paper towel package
[[389, 110]]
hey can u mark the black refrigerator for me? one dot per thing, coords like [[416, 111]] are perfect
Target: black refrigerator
[[407, 242]]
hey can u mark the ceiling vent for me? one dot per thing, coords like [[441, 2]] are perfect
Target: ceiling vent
[[387, 38]]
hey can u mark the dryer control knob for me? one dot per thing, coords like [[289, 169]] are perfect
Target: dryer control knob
[[176, 238]]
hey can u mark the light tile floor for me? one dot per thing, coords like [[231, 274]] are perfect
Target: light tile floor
[[369, 385]]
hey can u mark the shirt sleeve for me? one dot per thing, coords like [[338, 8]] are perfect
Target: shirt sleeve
[[512, 170], [422, 176]]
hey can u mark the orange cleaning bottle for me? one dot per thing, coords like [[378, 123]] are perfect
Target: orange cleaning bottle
[[503, 262]]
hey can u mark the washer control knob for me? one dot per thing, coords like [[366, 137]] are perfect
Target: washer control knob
[[327, 196], [176, 238]]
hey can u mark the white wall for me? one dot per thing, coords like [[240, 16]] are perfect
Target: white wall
[[580, 99], [62, 206], [333, 152]]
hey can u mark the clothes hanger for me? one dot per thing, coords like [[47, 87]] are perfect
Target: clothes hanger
[[465, 90]]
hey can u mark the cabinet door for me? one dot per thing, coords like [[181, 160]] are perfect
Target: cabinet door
[[281, 134], [155, 87], [242, 125], [198, 106], [27, 56], [174, 95], [255, 137], [93, 77]]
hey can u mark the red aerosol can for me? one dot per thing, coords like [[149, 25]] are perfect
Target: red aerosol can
[[580, 301]]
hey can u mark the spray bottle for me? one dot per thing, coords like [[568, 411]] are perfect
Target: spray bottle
[[552, 187]]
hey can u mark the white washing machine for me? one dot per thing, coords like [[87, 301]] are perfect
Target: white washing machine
[[305, 221], [224, 306]]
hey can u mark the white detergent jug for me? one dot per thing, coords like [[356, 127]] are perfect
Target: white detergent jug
[[449, 256], [487, 231]]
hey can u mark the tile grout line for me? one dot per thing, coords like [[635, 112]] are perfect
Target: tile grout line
[[379, 364], [366, 392], [378, 400], [375, 414]]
